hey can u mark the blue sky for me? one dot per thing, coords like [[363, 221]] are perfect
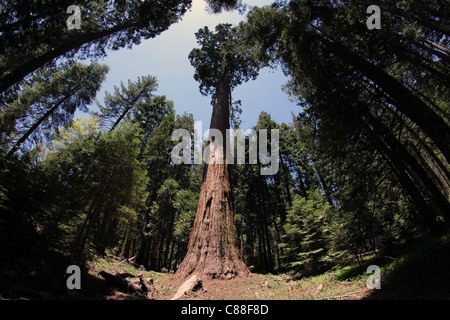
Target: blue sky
[[166, 57]]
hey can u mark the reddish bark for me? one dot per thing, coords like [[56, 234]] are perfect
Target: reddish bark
[[212, 251]]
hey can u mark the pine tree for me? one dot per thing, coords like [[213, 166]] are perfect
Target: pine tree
[[306, 243], [50, 99], [120, 105], [42, 32], [366, 87], [155, 229], [34, 33], [97, 182]]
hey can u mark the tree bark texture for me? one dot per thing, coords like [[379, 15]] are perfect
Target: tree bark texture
[[212, 251]]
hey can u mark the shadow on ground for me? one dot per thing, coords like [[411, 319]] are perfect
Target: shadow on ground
[[426, 277], [41, 274]]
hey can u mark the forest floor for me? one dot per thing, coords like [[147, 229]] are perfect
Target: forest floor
[[255, 287], [268, 287], [417, 271]]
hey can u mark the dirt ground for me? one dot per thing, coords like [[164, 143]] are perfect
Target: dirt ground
[[235, 289], [263, 287]]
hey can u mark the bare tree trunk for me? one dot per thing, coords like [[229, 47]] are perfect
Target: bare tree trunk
[[212, 251]]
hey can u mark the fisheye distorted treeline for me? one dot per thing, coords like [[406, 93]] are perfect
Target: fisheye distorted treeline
[[364, 162]]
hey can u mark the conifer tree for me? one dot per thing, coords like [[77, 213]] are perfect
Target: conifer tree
[[50, 98], [35, 33], [306, 242], [361, 85], [221, 64], [121, 104]]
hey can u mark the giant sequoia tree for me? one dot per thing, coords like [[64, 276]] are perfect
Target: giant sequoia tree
[[221, 64]]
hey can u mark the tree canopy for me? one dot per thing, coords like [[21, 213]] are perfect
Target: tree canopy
[[222, 53], [358, 84], [34, 33]]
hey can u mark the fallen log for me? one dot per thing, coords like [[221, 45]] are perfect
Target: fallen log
[[192, 284], [128, 260], [119, 282]]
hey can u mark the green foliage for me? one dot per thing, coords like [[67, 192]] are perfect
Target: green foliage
[[306, 238], [379, 160], [120, 105], [222, 53], [217, 6], [49, 100], [97, 182], [159, 223], [186, 204], [34, 33], [41, 31]]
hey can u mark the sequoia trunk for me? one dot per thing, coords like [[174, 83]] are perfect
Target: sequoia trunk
[[212, 251]]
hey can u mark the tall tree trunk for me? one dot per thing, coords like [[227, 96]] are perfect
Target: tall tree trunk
[[437, 200], [212, 251], [170, 255], [127, 109], [405, 101], [325, 187], [142, 251], [301, 184], [437, 165], [126, 249], [391, 154]]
